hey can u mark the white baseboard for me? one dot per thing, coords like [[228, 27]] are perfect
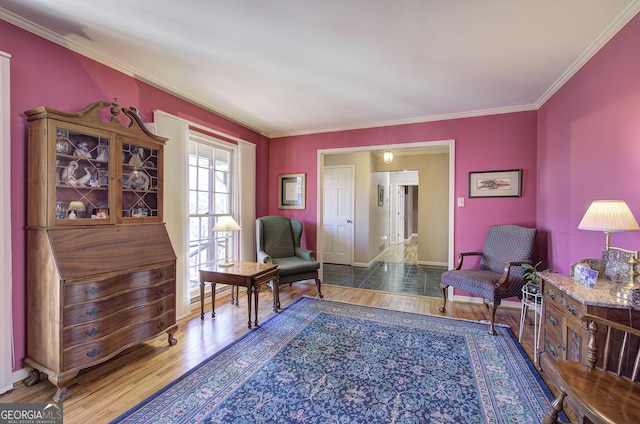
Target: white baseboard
[[16, 378], [432, 263], [471, 299]]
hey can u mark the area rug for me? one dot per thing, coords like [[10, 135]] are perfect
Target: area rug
[[320, 361]]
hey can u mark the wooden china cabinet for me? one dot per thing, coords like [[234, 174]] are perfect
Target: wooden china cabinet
[[100, 266]]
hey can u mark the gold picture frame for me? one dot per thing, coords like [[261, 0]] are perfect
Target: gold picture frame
[[292, 191]]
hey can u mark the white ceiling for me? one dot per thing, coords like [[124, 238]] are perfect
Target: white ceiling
[[284, 67]]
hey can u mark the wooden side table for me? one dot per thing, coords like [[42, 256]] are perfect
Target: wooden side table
[[246, 274]]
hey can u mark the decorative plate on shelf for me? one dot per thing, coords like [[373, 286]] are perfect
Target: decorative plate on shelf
[[62, 146], [138, 181]]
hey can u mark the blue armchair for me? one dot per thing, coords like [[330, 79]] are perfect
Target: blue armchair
[[500, 274], [278, 242]]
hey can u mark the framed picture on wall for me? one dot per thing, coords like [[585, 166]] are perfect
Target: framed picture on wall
[[495, 183], [380, 195], [291, 191]]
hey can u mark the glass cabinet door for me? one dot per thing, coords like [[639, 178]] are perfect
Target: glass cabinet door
[[140, 176], [82, 177]]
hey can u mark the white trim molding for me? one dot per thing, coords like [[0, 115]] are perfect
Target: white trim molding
[[6, 280]]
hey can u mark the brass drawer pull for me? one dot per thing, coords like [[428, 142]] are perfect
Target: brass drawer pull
[[94, 352], [553, 350], [160, 275], [93, 312], [551, 294], [552, 320], [161, 324], [93, 332], [160, 292], [572, 309], [160, 308]]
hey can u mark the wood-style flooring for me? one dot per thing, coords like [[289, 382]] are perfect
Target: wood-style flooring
[[101, 393]]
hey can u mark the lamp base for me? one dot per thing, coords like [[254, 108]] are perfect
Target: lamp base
[[624, 292], [226, 264]]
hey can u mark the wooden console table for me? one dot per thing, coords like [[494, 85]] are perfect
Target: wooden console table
[[246, 274], [564, 336]]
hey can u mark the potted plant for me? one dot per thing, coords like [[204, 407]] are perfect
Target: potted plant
[[532, 278]]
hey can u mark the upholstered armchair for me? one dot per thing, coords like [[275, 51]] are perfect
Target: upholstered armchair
[[278, 242], [500, 274]]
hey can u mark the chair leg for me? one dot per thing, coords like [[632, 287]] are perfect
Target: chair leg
[[318, 284], [443, 308], [494, 307], [551, 416]]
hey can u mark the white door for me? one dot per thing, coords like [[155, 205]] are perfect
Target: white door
[[400, 218], [338, 215]]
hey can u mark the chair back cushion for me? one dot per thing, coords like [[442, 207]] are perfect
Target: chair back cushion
[[277, 236], [508, 243]]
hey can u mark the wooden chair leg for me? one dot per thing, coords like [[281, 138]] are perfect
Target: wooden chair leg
[[318, 284], [443, 308], [493, 306], [551, 416]]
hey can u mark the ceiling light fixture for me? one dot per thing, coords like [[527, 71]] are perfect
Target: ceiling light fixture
[[388, 157]]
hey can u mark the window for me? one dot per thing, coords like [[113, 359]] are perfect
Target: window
[[211, 194]]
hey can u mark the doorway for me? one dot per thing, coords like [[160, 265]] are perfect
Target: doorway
[[446, 147]]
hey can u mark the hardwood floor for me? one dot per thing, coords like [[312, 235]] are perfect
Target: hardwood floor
[[406, 252], [101, 393]]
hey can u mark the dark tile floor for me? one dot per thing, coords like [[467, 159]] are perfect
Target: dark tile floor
[[394, 277]]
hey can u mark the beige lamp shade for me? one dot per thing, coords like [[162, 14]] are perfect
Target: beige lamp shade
[[76, 206], [609, 216], [226, 223]]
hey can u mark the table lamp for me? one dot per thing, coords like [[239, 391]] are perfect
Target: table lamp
[[609, 216], [226, 223], [613, 216], [75, 209]]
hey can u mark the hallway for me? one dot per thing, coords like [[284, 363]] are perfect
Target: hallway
[[396, 271]]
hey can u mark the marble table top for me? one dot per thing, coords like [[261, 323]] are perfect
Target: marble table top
[[600, 295]]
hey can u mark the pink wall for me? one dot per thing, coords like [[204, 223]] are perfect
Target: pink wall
[[482, 144], [589, 148], [585, 137], [45, 74]]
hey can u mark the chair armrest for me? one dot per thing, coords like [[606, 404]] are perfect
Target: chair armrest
[[305, 254], [461, 257], [507, 269], [263, 258]]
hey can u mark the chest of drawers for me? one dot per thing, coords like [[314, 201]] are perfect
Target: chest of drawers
[[94, 303], [564, 335]]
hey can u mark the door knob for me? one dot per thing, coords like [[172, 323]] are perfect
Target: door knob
[[349, 221]]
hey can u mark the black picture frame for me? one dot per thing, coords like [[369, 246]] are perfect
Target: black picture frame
[[507, 183], [292, 191]]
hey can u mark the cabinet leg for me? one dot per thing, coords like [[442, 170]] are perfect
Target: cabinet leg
[[61, 383], [172, 340], [34, 378]]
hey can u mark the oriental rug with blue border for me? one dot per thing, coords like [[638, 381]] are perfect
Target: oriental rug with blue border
[[320, 361]]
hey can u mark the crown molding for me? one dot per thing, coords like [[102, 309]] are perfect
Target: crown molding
[[622, 19], [419, 120], [631, 10], [76, 47]]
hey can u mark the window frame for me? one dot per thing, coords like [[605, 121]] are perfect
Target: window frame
[[216, 240]]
